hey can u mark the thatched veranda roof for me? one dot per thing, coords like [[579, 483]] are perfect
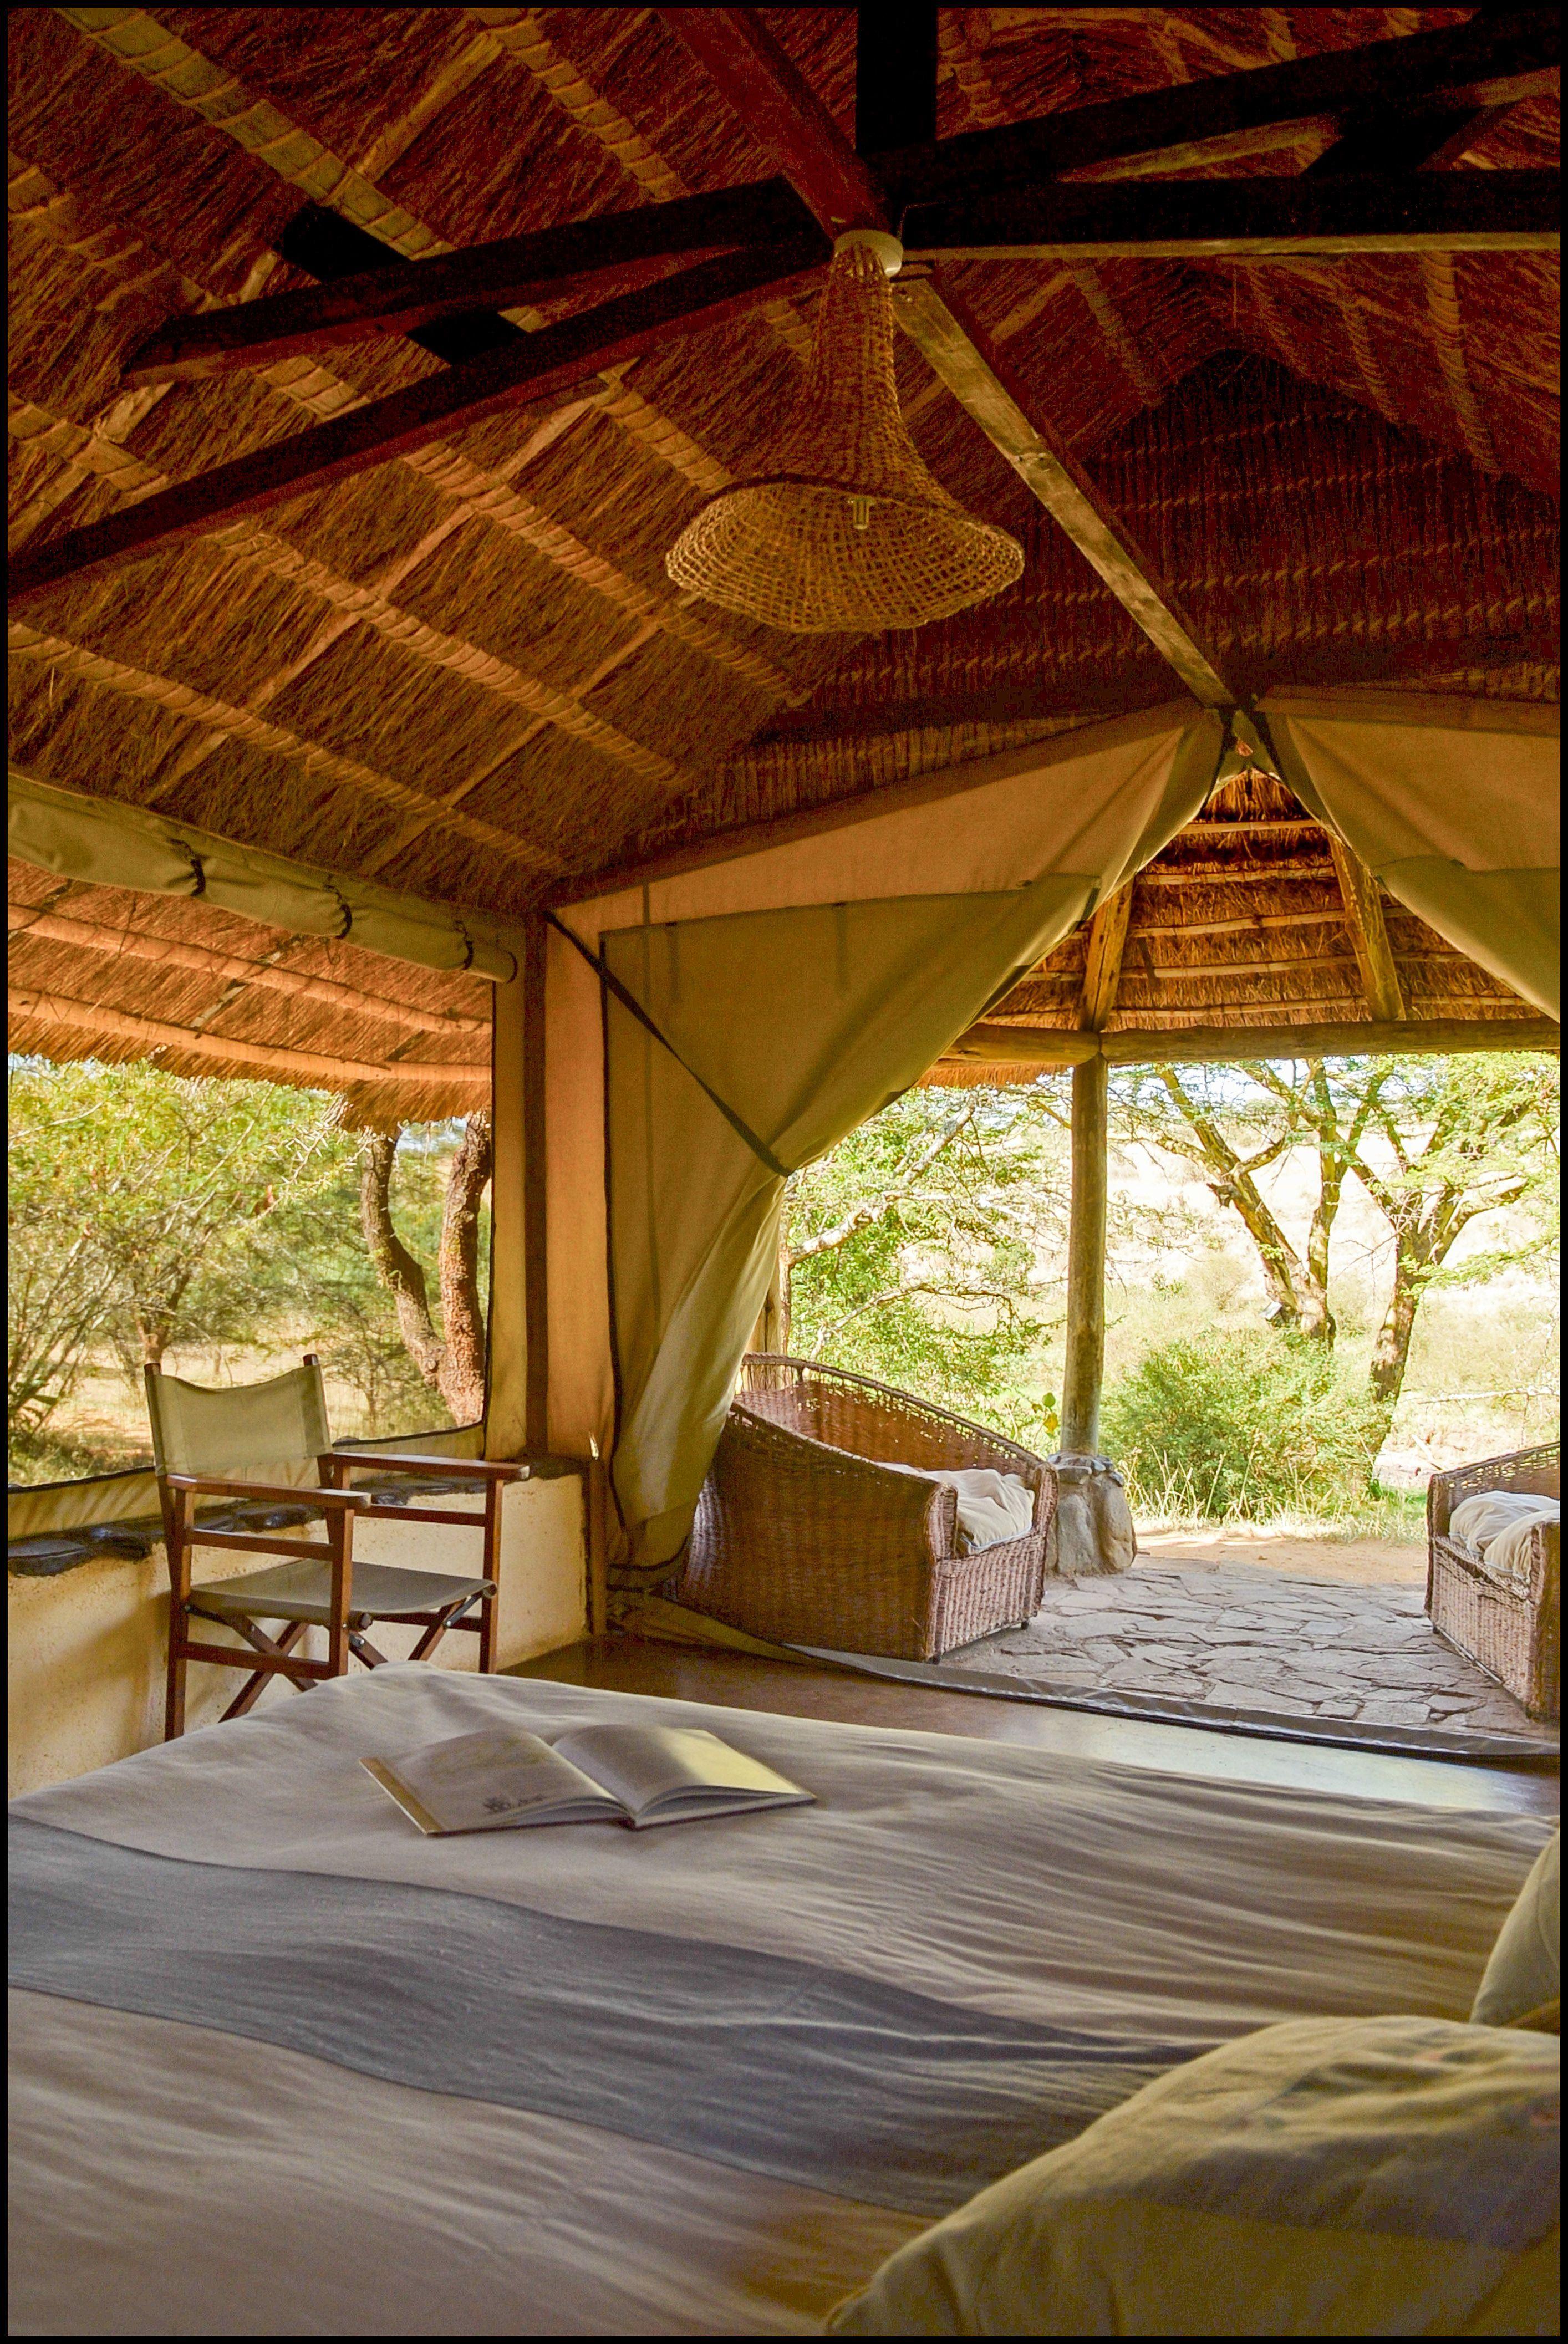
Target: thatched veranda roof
[[465, 673]]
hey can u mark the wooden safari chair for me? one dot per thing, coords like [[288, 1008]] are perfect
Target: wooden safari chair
[[205, 1443]]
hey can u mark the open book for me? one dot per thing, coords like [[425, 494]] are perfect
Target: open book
[[636, 1774]]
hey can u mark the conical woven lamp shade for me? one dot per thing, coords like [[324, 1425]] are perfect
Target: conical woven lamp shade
[[847, 530]]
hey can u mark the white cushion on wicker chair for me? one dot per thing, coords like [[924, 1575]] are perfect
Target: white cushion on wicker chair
[[1496, 1527], [992, 1506], [1479, 1520]]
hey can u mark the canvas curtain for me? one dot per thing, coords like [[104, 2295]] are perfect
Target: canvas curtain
[[791, 993], [1453, 804]]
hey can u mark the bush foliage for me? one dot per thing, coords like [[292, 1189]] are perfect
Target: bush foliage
[[1242, 1426]]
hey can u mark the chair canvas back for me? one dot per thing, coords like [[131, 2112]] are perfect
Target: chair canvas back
[[260, 1431]]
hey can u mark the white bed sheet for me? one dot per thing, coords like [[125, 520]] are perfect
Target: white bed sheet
[[170, 2179]]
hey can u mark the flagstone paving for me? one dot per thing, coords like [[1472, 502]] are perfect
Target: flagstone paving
[[1237, 1638]]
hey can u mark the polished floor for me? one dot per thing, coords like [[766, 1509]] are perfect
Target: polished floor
[[739, 1681]]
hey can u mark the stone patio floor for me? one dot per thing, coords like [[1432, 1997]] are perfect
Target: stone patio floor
[[1220, 1632]]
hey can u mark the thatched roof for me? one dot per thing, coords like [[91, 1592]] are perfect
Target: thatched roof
[[465, 673]]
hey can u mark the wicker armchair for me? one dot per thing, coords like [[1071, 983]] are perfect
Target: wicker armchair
[[802, 1538], [1516, 1636]]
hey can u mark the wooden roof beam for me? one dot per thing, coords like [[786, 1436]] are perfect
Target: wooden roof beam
[[957, 349], [1369, 935], [402, 295], [311, 1069], [1044, 1047], [1259, 219], [784, 115], [1102, 968], [554, 360], [1493, 60]]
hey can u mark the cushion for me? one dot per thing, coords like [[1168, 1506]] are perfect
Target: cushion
[[1378, 2177], [1476, 1521], [1507, 1559], [1526, 1966], [992, 1506]]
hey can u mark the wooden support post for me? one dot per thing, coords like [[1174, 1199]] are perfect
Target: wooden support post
[[1086, 1263], [535, 1234]]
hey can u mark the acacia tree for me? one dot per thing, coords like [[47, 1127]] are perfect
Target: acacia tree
[[912, 1251], [1434, 1142], [452, 1359]]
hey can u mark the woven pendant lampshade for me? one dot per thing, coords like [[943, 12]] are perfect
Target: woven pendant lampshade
[[847, 528]]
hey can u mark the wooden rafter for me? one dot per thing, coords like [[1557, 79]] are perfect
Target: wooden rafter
[[1102, 967], [1369, 936], [802, 138], [1259, 219], [1106, 946], [290, 1065], [404, 294], [1045, 1045], [555, 361], [24, 920], [1491, 61], [178, 700]]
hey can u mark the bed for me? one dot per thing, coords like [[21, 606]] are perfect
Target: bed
[[283, 2066]]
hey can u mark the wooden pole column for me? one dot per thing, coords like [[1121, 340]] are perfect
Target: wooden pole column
[[1086, 1263]]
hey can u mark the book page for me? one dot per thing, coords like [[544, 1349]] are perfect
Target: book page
[[683, 1767], [487, 1781]]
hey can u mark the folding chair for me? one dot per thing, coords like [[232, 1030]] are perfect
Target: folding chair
[[205, 1443]]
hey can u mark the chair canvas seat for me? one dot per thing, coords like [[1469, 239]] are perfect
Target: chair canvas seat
[[302, 1590]]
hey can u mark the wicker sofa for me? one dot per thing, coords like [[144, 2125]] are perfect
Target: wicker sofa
[[1515, 1633], [802, 1537]]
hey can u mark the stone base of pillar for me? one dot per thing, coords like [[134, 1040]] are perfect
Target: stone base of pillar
[[1093, 1530]]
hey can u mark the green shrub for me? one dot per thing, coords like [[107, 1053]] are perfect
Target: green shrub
[[1243, 1426]]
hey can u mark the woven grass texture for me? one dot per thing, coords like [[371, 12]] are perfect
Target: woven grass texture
[[468, 674]]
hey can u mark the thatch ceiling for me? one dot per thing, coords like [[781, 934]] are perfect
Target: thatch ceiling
[[465, 672]]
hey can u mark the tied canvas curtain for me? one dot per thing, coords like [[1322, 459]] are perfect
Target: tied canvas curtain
[[1453, 806], [744, 1040]]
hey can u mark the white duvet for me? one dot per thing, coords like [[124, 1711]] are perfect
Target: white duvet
[[171, 2179]]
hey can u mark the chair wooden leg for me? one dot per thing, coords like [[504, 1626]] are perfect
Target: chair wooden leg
[[363, 1650], [250, 1691], [487, 1635], [174, 1692]]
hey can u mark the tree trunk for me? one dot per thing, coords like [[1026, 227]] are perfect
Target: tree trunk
[[398, 1270], [461, 1377], [1085, 1369], [1386, 1375]]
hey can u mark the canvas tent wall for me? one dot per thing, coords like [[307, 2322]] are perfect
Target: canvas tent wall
[[706, 1033]]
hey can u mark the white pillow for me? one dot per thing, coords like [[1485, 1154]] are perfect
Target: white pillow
[[1507, 1557], [1476, 1521], [992, 1506], [1526, 1966], [1374, 2177]]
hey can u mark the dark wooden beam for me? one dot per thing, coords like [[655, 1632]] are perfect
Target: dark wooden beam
[[535, 1202], [801, 137], [957, 348], [537, 366], [782, 114], [397, 297], [1038, 1046], [1493, 60], [895, 58], [1258, 218]]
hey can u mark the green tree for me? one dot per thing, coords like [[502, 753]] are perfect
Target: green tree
[[912, 1251], [1436, 1143]]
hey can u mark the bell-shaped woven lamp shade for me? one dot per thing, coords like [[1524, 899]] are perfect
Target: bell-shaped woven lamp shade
[[847, 528]]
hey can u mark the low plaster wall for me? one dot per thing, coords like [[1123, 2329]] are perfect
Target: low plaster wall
[[87, 1647]]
